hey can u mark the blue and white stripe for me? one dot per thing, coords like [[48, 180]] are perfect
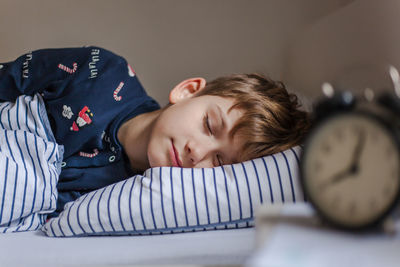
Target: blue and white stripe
[[29, 165], [171, 200]]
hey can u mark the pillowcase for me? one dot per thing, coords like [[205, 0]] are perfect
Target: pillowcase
[[171, 199], [29, 165]]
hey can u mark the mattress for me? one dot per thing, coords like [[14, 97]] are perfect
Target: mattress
[[219, 247]]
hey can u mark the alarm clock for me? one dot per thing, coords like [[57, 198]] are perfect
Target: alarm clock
[[350, 163]]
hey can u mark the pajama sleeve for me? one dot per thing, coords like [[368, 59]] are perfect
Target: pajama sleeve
[[40, 70]]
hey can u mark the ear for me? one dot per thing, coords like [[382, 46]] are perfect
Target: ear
[[186, 89]]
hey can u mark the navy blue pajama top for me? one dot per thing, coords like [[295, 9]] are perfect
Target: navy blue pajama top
[[89, 92]]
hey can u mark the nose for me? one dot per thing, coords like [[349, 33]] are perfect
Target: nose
[[200, 155]]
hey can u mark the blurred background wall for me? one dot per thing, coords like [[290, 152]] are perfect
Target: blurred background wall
[[352, 48], [170, 40]]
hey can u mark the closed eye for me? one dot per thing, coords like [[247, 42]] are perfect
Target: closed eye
[[220, 163], [207, 124]]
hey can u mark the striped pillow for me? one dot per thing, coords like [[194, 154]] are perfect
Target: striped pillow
[[171, 200], [29, 165]]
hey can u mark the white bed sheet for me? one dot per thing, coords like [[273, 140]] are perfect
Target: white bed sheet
[[220, 247]]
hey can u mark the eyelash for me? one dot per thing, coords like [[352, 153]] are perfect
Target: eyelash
[[219, 160], [207, 123], [208, 127]]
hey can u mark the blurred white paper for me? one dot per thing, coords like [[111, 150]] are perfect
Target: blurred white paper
[[291, 244]]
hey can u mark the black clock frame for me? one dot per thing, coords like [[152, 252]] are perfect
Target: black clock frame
[[322, 116]]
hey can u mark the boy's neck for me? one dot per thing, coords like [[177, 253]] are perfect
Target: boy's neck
[[134, 136]]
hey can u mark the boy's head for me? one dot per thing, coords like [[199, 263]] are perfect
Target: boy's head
[[230, 119], [271, 120]]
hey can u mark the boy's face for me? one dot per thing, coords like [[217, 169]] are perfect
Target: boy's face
[[194, 132]]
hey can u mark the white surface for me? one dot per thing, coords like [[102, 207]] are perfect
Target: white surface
[[199, 248], [294, 242]]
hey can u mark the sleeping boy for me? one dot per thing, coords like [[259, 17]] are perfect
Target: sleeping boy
[[111, 129]]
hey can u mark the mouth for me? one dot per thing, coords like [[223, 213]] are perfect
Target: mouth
[[175, 156]]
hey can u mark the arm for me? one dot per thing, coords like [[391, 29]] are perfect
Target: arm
[[35, 71]]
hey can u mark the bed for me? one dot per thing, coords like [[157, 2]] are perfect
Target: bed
[[167, 215], [222, 247]]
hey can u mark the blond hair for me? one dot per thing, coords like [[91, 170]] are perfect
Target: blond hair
[[271, 121]]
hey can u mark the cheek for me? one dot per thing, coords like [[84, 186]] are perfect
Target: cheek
[[165, 122], [156, 151], [153, 156], [160, 141], [177, 125]]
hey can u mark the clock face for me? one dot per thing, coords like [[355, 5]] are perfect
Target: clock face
[[351, 169]]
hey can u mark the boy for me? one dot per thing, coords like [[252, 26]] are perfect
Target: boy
[[111, 129]]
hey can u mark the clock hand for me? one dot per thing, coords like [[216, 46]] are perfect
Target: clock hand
[[354, 166], [346, 173]]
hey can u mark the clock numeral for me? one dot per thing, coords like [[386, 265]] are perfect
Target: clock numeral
[[387, 190], [352, 208], [335, 202], [394, 174], [374, 137], [317, 166], [389, 152], [326, 148], [357, 130], [372, 203], [338, 134]]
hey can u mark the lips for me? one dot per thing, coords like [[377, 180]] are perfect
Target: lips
[[175, 157]]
